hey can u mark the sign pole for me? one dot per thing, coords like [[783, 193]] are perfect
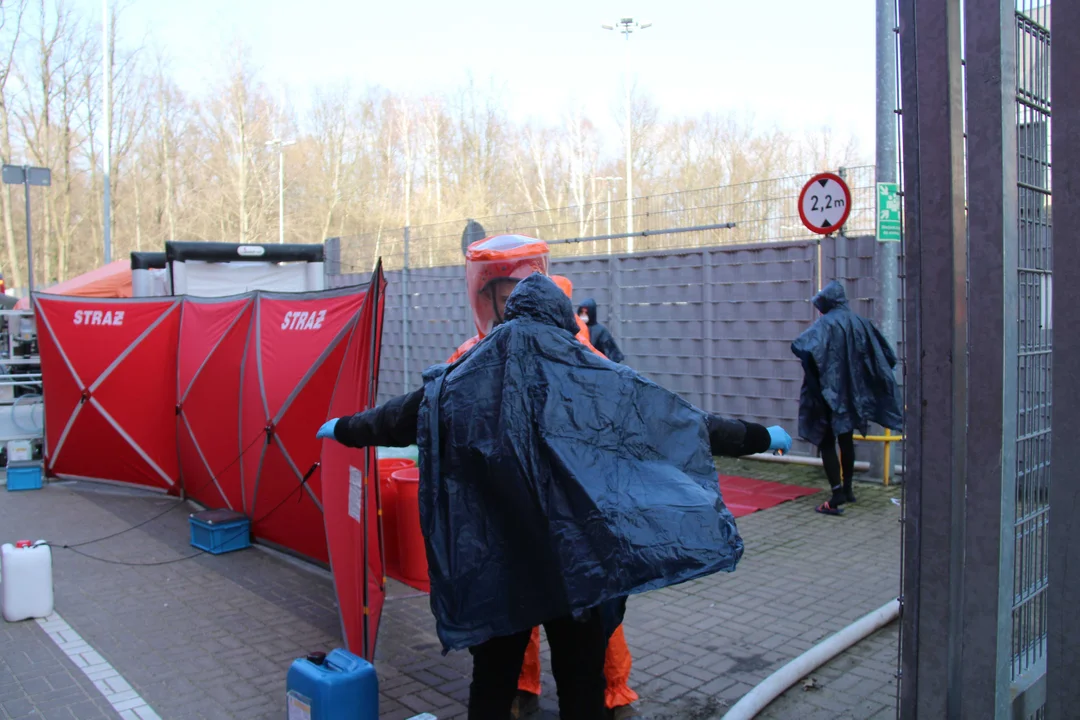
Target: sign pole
[[29, 236], [26, 176], [888, 269]]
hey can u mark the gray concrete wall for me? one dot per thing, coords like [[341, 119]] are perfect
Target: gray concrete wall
[[712, 324]]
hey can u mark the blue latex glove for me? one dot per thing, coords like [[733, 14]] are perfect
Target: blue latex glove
[[326, 432], [779, 439]]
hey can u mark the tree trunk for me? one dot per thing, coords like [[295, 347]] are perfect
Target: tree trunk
[[138, 211], [11, 14], [167, 165], [46, 241], [242, 170], [14, 267]]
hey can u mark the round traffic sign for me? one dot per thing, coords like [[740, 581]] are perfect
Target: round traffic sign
[[824, 203]]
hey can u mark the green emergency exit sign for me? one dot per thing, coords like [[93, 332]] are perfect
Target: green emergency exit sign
[[888, 212]]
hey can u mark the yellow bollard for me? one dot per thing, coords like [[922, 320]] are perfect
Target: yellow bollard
[[888, 447], [888, 438]]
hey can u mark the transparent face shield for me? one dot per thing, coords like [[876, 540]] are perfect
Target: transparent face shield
[[493, 267]]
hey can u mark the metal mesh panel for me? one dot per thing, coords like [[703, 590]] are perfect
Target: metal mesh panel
[[712, 324], [1035, 333], [763, 211]]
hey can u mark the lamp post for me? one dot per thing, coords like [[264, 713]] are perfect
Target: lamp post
[[106, 101], [281, 145], [627, 26]]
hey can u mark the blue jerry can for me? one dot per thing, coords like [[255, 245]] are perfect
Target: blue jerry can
[[338, 686]]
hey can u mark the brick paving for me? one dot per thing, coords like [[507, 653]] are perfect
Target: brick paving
[[212, 637], [858, 685], [38, 680]]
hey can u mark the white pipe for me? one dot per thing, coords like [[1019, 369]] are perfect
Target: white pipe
[[774, 686], [860, 465]]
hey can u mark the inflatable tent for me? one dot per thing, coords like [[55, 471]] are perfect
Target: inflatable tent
[[149, 277], [219, 399], [214, 269]]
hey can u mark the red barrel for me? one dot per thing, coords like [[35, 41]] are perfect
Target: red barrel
[[387, 467], [412, 557]]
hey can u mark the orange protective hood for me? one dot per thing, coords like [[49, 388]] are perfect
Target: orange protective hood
[[497, 259]]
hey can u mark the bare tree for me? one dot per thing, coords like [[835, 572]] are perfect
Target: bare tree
[[196, 165], [434, 125], [237, 119], [331, 139], [70, 69], [581, 151], [11, 27]]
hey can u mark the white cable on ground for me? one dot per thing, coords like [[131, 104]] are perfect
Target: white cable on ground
[[774, 686]]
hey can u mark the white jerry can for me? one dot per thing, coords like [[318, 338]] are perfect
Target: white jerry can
[[26, 582]]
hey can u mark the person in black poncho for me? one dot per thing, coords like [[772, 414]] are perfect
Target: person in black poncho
[[599, 335], [553, 484], [848, 382]]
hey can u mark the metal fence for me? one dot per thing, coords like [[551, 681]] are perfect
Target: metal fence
[[979, 547], [1035, 343], [713, 324], [762, 211]]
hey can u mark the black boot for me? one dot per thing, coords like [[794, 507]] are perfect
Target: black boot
[[849, 495]]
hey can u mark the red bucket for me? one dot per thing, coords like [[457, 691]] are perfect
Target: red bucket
[[411, 553], [386, 468]]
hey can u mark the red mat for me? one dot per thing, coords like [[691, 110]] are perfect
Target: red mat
[[744, 495]]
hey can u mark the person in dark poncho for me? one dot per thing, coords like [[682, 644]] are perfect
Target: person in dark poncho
[[553, 484], [493, 267], [599, 335], [848, 382]]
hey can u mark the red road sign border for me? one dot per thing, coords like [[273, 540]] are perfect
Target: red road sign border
[[847, 203]]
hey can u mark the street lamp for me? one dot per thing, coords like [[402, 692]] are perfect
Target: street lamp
[[106, 101], [281, 145], [26, 176], [610, 179], [626, 26]]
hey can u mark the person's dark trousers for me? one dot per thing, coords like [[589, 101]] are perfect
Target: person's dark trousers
[[839, 470], [577, 661]]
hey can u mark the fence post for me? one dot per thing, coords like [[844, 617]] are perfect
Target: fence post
[[935, 261], [615, 319], [1063, 587], [405, 339], [708, 367], [990, 495], [842, 244]]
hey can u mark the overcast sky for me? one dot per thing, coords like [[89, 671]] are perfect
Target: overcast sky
[[793, 63]]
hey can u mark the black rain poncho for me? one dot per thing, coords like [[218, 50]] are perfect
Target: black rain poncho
[[848, 379], [554, 480]]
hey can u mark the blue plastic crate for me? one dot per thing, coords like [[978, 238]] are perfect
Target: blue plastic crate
[[24, 475], [220, 531]]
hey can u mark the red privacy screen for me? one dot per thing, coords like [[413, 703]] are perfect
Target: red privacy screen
[[109, 381], [221, 397]]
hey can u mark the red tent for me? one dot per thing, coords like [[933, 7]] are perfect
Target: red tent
[[221, 397], [110, 394], [110, 281]]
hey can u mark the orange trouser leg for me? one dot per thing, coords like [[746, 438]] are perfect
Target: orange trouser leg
[[529, 681], [617, 664]]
